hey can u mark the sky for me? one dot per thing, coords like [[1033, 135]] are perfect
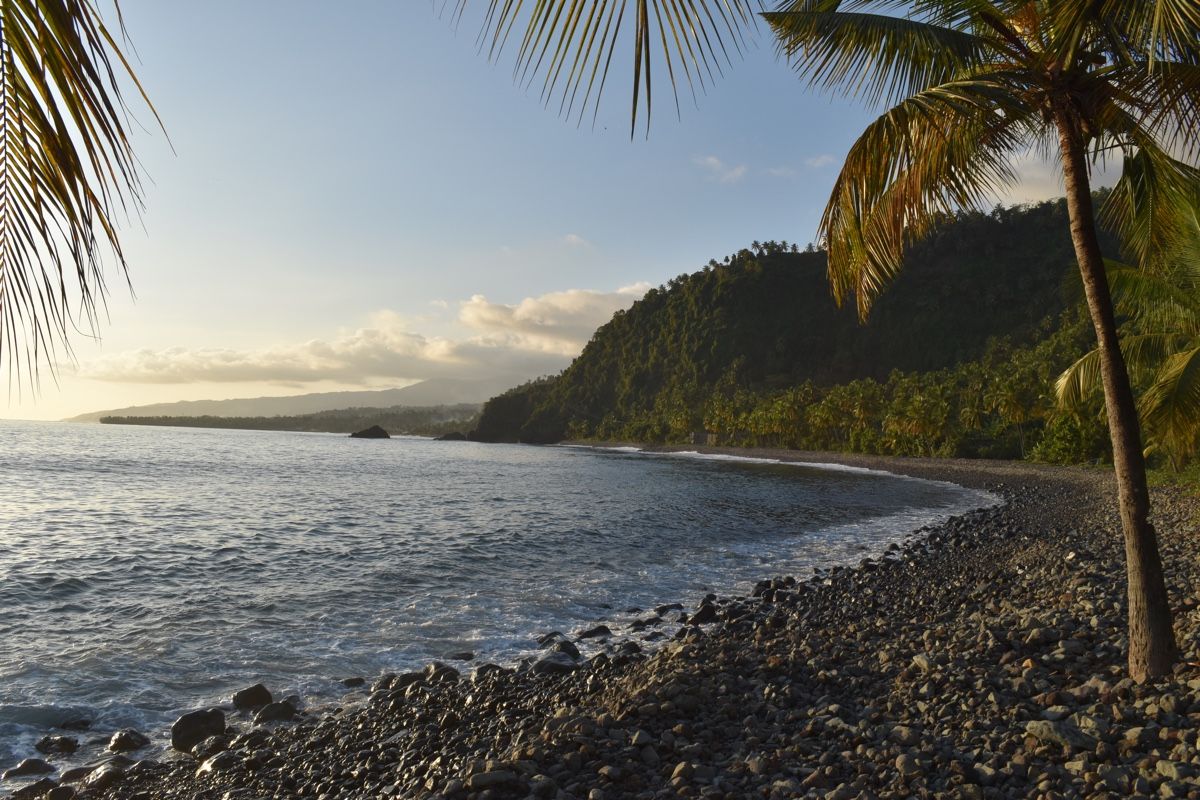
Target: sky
[[352, 196]]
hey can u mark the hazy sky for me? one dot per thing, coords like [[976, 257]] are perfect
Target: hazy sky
[[357, 198]]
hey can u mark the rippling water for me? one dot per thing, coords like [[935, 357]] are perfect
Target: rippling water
[[146, 571]]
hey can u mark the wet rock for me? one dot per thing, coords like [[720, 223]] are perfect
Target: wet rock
[[30, 766], [254, 696], [196, 726], [567, 648], [554, 664], [282, 711], [354, 683], [104, 778], [78, 773], [600, 631], [221, 762], [438, 672], [37, 789], [210, 747], [58, 745], [127, 740]]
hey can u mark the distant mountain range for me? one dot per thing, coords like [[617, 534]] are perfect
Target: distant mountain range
[[434, 392]]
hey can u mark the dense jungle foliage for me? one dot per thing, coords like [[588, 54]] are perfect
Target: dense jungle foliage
[[958, 358], [402, 420]]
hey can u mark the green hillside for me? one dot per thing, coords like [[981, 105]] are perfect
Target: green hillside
[[762, 324]]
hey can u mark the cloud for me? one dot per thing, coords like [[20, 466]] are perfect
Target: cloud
[[719, 171], [534, 337], [816, 162], [558, 322], [575, 240], [781, 172]]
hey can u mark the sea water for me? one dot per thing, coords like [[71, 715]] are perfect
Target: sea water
[[148, 571]]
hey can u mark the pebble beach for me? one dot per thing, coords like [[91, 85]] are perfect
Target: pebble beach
[[982, 659]]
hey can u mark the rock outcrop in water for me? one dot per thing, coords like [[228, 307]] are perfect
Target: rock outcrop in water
[[373, 432]]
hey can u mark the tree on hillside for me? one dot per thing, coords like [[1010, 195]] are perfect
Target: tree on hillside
[[970, 84], [67, 173]]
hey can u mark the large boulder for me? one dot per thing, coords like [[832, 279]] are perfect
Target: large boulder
[[255, 696], [373, 432], [193, 728]]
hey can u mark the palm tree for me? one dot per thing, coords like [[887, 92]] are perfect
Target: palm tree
[[973, 84], [1161, 342], [67, 173], [970, 84]]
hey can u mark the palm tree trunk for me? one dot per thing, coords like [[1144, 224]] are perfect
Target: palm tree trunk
[[1152, 649]]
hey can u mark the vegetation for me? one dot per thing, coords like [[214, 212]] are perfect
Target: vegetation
[[971, 84], [716, 349], [67, 172], [403, 420], [1161, 340]]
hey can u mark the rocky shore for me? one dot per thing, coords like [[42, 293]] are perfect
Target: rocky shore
[[983, 659]]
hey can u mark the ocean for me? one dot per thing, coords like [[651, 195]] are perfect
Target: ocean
[[149, 571]]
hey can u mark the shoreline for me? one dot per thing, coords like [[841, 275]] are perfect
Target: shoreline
[[807, 656]]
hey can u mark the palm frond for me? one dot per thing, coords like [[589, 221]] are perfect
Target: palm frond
[[1171, 406], [876, 57], [940, 151], [1078, 381], [1142, 31], [1157, 301], [571, 44], [1152, 207], [67, 171]]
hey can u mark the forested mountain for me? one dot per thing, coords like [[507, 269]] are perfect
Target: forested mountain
[[762, 325], [432, 392]]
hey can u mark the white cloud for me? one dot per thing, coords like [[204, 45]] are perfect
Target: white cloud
[[575, 240], [534, 337], [719, 171], [781, 172], [558, 322], [816, 162]]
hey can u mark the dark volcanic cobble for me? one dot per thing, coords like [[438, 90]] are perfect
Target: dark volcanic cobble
[[985, 659]]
